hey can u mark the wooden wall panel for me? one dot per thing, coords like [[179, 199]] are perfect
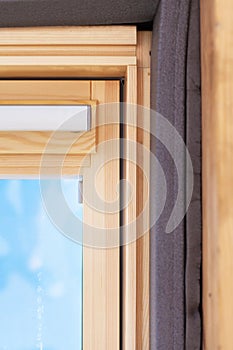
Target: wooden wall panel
[[217, 118]]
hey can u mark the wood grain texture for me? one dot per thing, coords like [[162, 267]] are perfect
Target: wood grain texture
[[29, 160], [129, 252], [67, 71], [29, 166], [44, 90], [67, 50], [6, 62], [101, 266], [143, 191], [26, 172], [136, 254], [144, 39], [68, 66], [217, 107], [21, 152], [38, 142], [82, 35]]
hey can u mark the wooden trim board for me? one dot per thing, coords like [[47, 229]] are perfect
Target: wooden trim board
[[101, 265], [85, 35], [67, 51], [217, 134], [135, 326]]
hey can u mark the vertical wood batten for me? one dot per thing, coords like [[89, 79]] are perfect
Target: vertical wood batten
[[217, 107], [130, 234], [136, 253], [101, 265], [143, 190]]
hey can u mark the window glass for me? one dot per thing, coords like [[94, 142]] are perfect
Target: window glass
[[40, 272]]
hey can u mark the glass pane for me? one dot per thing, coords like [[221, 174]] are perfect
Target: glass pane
[[40, 272]]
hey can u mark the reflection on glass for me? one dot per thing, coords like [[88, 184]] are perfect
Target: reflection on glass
[[40, 272]]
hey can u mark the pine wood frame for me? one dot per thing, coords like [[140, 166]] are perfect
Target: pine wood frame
[[101, 52], [21, 152], [217, 106]]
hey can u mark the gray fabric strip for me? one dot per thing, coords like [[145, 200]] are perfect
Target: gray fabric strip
[[194, 215], [17, 13], [169, 96]]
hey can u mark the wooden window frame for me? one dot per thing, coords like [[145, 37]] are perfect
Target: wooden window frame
[[101, 52]]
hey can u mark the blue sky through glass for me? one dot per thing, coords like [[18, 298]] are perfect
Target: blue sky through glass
[[40, 272]]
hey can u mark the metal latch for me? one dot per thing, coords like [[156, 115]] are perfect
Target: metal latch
[[80, 190]]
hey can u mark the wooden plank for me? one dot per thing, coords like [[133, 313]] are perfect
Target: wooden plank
[[37, 142], [143, 191], [25, 172], [144, 39], [6, 62], [217, 106], [62, 71], [68, 50], [129, 251], [44, 90], [64, 66], [101, 266], [92, 35], [136, 254], [29, 160]]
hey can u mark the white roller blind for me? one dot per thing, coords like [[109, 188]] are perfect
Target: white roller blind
[[44, 118]]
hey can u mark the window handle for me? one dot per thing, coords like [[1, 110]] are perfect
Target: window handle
[[80, 190]]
